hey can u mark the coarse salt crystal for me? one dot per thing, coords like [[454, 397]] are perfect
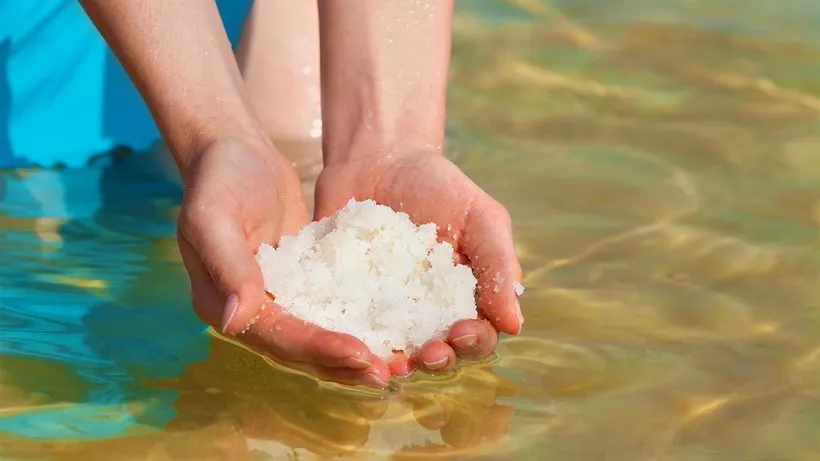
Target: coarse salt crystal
[[370, 272]]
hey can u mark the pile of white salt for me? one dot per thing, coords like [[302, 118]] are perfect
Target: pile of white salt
[[370, 272]]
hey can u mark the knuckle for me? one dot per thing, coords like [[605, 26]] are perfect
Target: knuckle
[[501, 214]]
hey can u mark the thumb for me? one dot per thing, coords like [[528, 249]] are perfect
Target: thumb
[[224, 253], [488, 243]]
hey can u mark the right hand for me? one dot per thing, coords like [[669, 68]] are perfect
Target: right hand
[[239, 194]]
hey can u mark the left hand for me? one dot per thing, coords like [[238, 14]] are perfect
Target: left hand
[[430, 188]]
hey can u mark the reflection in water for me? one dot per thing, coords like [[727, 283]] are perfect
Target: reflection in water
[[660, 162], [271, 411]]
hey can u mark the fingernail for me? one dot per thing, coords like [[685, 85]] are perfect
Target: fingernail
[[518, 311], [355, 362], [231, 306], [373, 380], [407, 371], [407, 374], [467, 341], [437, 364]]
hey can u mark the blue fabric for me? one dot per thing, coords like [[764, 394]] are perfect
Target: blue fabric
[[64, 97]]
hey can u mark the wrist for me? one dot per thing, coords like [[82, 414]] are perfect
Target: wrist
[[362, 142], [208, 133], [383, 87], [370, 120]]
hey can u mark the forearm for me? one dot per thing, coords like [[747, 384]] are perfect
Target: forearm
[[180, 59], [384, 75]]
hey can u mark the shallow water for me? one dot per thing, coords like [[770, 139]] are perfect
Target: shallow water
[[661, 160]]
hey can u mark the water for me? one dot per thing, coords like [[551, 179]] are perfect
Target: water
[[661, 160]]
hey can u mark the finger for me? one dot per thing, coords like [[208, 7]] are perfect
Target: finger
[[294, 340], [377, 376], [402, 365], [488, 243], [436, 356], [473, 339], [208, 303], [222, 248], [260, 336]]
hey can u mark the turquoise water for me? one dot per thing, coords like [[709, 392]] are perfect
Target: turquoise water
[[80, 295], [661, 163]]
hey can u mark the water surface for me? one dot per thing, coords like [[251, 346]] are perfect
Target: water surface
[[661, 160]]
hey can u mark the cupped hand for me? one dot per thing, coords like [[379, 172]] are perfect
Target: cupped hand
[[430, 188], [239, 194]]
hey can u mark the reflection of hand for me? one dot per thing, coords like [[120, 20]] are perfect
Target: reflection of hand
[[239, 194], [465, 413], [253, 405], [240, 391], [430, 188]]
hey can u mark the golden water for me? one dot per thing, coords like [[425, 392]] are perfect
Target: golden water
[[661, 160]]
